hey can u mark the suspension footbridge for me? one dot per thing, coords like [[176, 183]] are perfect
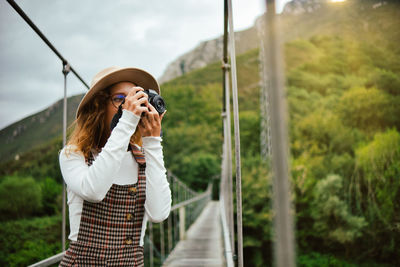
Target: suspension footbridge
[[200, 231]]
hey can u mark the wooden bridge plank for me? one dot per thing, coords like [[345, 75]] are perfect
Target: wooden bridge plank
[[203, 243]]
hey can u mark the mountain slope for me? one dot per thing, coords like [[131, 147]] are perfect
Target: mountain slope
[[374, 20], [36, 129]]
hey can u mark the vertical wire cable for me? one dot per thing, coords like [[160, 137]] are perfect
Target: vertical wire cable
[[237, 136]]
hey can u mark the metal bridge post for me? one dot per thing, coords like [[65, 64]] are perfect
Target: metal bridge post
[[151, 244], [162, 241], [181, 223], [176, 215], [169, 234]]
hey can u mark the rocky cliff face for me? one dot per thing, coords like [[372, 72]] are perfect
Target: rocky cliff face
[[297, 7], [207, 52]]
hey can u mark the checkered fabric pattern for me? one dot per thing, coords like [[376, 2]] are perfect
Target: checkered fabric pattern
[[109, 231]]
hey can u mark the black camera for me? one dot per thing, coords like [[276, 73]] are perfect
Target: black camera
[[156, 100]]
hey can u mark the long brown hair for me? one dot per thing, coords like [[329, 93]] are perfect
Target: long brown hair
[[89, 131]]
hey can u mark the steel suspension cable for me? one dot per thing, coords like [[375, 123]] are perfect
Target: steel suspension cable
[[237, 136], [227, 133], [43, 37]]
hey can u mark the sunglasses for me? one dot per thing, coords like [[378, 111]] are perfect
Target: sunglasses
[[117, 99]]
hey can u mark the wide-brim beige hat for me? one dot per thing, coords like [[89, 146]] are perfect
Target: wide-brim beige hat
[[112, 75]]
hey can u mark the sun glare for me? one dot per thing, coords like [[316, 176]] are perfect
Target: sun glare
[[335, 1]]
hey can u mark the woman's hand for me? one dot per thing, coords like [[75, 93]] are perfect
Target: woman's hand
[[150, 123], [134, 100]]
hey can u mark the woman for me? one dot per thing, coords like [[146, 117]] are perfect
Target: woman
[[116, 180]]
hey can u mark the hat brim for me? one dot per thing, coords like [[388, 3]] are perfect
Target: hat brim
[[134, 75]]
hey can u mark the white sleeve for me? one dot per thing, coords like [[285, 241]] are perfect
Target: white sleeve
[[93, 182], [158, 193]]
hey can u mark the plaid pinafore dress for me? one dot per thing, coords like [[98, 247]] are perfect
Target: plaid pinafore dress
[[109, 231]]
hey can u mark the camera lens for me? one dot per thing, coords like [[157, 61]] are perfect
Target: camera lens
[[158, 103], [155, 100]]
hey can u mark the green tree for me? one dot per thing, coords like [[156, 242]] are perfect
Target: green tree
[[250, 132], [377, 190], [332, 215], [366, 109], [199, 170], [387, 81], [321, 142], [257, 212]]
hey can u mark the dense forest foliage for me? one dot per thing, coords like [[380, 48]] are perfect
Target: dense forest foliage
[[344, 104], [344, 127], [344, 100]]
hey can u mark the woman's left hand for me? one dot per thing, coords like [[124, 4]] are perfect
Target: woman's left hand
[[150, 123]]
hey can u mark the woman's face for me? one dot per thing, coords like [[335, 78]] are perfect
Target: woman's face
[[118, 88]]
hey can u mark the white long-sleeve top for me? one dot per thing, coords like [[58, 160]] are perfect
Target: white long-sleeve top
[[115, 165]]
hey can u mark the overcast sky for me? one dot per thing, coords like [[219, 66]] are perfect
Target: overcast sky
[[145, 34]]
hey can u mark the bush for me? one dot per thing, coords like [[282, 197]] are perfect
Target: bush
[[27, 241], [51, 195], [315, 259], [31, 252], [19, 197]]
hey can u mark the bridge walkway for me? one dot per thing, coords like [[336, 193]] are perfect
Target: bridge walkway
[[203, 244]]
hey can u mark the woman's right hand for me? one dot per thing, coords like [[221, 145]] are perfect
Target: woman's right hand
[[134, 100]]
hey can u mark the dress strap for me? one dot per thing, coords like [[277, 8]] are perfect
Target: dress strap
[[138, 154]]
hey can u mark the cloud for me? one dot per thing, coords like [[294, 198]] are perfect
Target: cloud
[[94, 34]]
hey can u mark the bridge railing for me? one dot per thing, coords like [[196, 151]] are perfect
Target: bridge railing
[[161, 238]]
